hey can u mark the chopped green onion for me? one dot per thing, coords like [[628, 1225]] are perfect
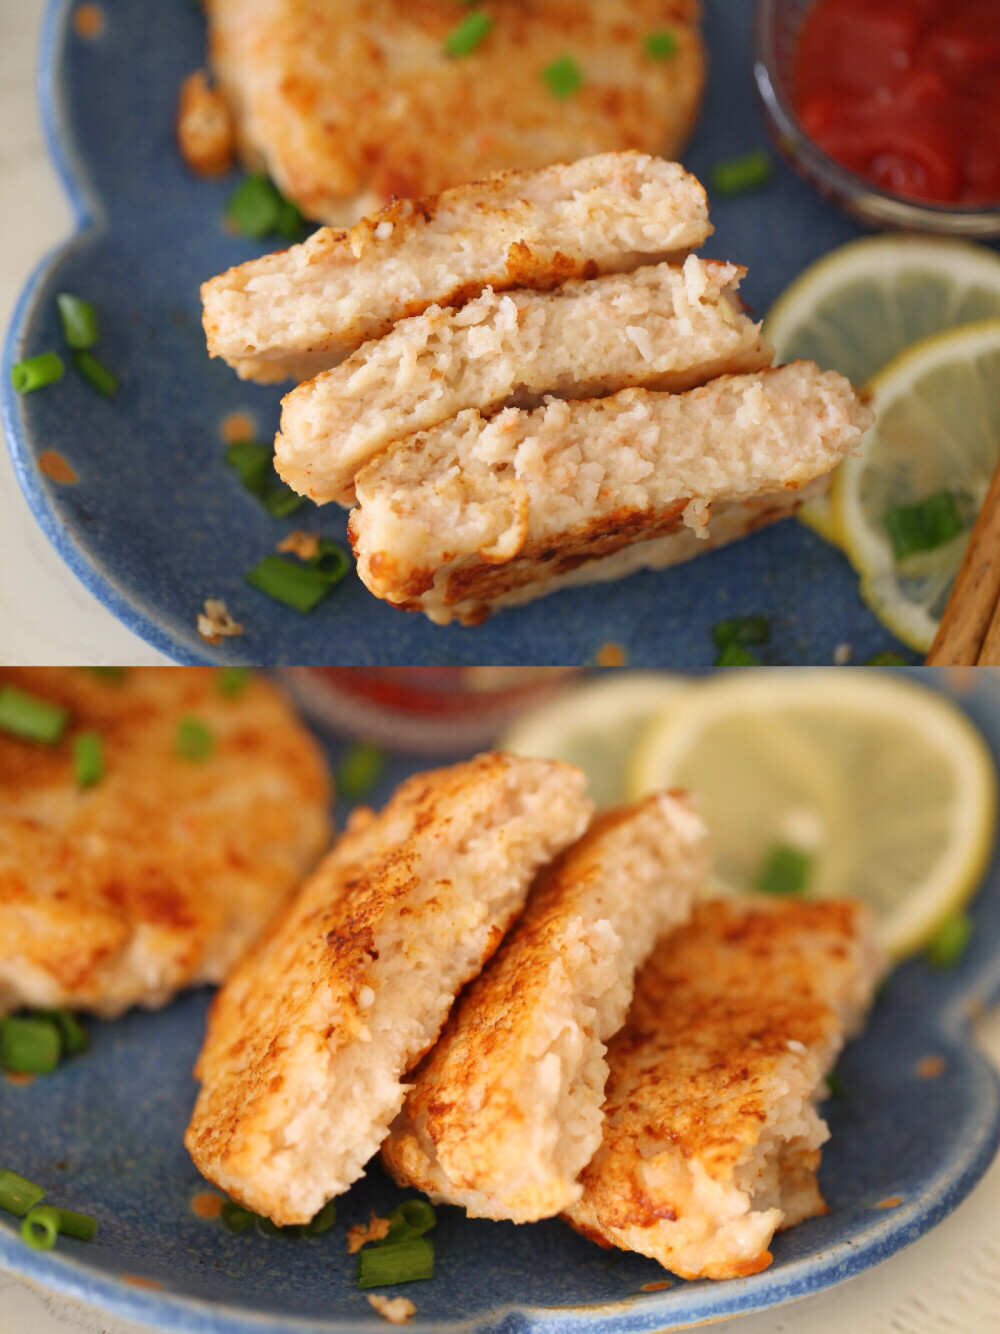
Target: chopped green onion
[[29, 1045], [331, 561], [74, 1036], [661, 45], [255, 206], [402, 1262], [563, 77], [232, 681], [252, 461], [741, 630], [37, 372], [467, 35], [40, 1228], [734, 655], [741, 174], [236, 1218], [411, 1219], [785, 871], [94, 371], [81, 1226], [79, 320], [886, 660], [834, 1085], [31, 718], [359, 770], [116, 674], [88, 759], [281, 501], [297, 586], [268, 1228], [923, 526], [289, 222], [951, 941], [323, 1221], [193, 740], [17, 1194]]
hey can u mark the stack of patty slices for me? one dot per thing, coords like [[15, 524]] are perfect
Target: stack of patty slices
[[534, 1012], [527, 382]]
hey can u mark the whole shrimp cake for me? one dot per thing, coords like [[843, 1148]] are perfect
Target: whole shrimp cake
[[150, 834]]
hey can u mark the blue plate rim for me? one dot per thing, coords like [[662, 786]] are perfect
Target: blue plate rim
[[89, 221]]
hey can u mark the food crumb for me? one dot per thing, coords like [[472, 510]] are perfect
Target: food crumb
[[930, 1067], [55, 467], [397, 1310], [207, 1204], [215, 622], [19, 1078], [374, 1230], [960, 679], [661, 1286], [842, 654], [206, 135], [238, 426], [303, 545], [88, 20], [610, 655], [138, 1281], [890, 1202]]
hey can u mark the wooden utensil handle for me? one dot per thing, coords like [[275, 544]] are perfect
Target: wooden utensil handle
[[975, 593]]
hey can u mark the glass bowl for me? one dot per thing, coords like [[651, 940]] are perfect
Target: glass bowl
[[777, 24]]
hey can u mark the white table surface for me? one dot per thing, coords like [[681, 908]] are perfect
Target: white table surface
[[947, 1283], [46, 615]]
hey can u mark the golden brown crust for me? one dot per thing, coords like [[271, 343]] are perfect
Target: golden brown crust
[[726, 1011], [350, 105], [206, 136], [179, 861]]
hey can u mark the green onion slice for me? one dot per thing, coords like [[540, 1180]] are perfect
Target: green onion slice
[[359, 770], [232, 681], [72, 1032], [331, 561], [81, 1226], [252, 461], [40, 1228], [29, 1045], [298, 586], [281, 501], [289, 222], [79, 320], [786, 870], [661, 45], [467, 35], [563, 77], [236, 1218], [17, 1194], [411, 1219], [741, 174], [323, 1221], [88, 759], [834, 1084], [886, 660], [741, 630], [31, 718], [193, 740], [96, 373], [735, 655], [402, 1262], [951, 941], [255, 206], [922, 527], [36, 372]]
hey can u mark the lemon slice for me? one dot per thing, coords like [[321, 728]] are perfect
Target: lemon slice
[[937, 428], [882, 783], [595, 725], [858, 307]]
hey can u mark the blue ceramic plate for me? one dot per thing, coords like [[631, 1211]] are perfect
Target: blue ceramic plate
[[156, 522], [105, 1134]]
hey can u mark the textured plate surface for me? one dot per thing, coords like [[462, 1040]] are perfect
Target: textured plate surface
[[104, 1134], [156, 523]]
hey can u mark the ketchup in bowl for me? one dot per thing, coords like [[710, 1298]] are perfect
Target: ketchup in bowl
[[906, 93]]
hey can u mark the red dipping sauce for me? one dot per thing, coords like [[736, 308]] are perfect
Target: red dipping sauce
[[906, 93]]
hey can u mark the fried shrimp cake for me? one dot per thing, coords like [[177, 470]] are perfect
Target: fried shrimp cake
[[159, 875]]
